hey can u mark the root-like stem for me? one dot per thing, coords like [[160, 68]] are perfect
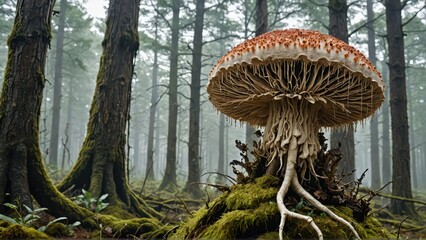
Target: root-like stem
[[318, 205], [290, 173]]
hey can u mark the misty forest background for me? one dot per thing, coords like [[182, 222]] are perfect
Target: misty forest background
[[70, 86]]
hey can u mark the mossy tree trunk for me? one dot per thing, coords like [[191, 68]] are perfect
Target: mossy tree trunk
[[22, 173], [101, 167]]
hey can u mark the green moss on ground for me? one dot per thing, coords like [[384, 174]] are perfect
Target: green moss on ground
[[250, 211], [15, 231], [139, 227]]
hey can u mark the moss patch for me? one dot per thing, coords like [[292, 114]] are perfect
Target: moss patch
[[250, 211], [140, 227], [14, 231]]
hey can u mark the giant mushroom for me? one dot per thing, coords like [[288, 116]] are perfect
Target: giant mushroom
[[293, 83]]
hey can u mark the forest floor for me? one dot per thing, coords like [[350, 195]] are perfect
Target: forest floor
[[176, 207], [399, 225]]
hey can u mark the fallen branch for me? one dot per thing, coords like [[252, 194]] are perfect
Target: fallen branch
[[397, 223], [398, 197]]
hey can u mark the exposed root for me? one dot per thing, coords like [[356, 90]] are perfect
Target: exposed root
[[317, 204], [290, 174]]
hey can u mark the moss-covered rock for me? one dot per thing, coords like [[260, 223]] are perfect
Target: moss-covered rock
[[250, 211], [15, 231]]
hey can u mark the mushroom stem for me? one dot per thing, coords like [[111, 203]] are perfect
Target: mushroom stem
[[290, 174], [287, 118], [317, 204]]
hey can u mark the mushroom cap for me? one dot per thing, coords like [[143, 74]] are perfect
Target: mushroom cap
[[296, 63]]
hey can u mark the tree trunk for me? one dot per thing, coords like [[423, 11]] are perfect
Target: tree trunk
[[412, 140], [22, 171], [221, 161], [137, 164], [57, 87], [374, 128], [149, 173], [261, 28], [398, 105], [169, 179], [386, 151], [101, 165], [68, 129], [338, 27], [261, 17], [191, 185]]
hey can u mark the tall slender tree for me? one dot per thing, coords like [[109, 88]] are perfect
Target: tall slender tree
[[398, 107], [338, 27], [149, 173], [57, 89], [194, 171], [374, 128], [261, 19], [101, 165], [169, 179], [386, 148]]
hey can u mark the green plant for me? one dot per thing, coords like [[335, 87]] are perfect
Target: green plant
[[21, 219], [31, 217], [88, 201]]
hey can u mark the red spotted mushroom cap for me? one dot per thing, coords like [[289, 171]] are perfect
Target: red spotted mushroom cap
[[296, 63]]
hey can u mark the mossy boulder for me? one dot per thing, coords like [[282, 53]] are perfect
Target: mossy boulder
[[250, 211], [15, 231]]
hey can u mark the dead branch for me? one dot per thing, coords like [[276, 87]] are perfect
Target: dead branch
[[229, 178], [184, 204], [217, 186]]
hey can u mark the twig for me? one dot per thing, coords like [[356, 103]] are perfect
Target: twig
[[171, 230], [358, 183], [208, 199], [399, 227], [234, 181], [184, 204], [402, 198], [378, 210], [375, 193], [145, 179], [219, 187]]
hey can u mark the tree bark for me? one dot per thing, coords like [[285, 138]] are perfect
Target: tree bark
[[412, 140], [398, 105], [261, 17], [338, 27], [101, 165], [374, 128], [221, 160], [169, 179], [22, 172], [57, 87], [194, 171]]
